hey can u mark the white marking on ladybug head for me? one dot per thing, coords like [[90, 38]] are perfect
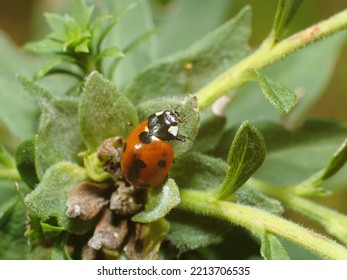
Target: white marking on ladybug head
[[173, 130], [159, 113]]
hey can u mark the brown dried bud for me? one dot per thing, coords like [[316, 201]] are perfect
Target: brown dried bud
[[87, 199], [109, 153], [126, 200], [109, 232], [88, 253], [134, 247]]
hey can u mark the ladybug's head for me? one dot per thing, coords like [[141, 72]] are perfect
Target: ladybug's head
[[163, 125]]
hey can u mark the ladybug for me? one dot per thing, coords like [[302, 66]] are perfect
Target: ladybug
[[147, 156]]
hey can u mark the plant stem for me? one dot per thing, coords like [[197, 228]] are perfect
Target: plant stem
[[265, 55], [10, 174], [333, 222], [257, 221]]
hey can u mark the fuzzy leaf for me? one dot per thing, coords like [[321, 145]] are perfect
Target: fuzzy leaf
[[286, 10], [104, 112], [272, 249], [57, 115], [159, 203], [189, 231], [311, 186], [198, 171], [253, 197], [187, 107], [25, 160], [279, 96], [189, 70], [48, 200], [246, 155]]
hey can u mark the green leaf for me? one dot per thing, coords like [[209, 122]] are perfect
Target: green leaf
[[253, 197], [111, 52], [295, 156], [60, 249], [189, 231], [189, 70], [246, 155], [279, 96], [95, 168], [104, 112], [50, 64], [6, 209], [198, 171], [160, 201], [13, 223], [210, 132], [301, 72], [337, 161], [45, 46], [18, 110], [8, 192], [82, 46], [100, 36], [57, 24], [272, 249], [286, 10], [187, 107], [82, 12], [151, 236], [25, 160], [311, 186], [57, 116], [48, 200], [129, 48], [13, 245], [51, 231]]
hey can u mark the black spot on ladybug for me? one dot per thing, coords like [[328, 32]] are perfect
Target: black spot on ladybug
[[139, 164], [144, 186], [145, 137], [134, 170], [124, 147], [161, 163]]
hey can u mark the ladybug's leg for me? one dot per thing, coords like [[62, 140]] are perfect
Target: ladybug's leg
[[181, 137]]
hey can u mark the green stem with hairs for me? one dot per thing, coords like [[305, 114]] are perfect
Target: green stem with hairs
[[265, 55], [333, 222], [257, 221]]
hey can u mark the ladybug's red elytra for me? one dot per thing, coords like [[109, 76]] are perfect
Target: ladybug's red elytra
[[147, 156]]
